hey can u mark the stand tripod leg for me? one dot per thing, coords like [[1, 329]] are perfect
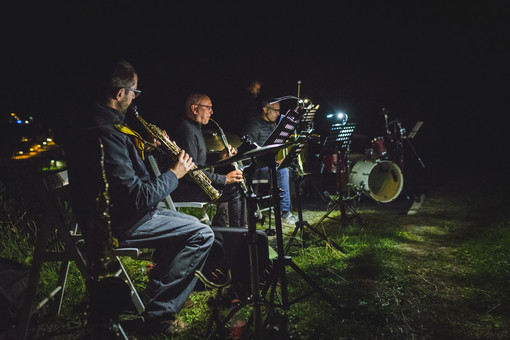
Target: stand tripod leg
[[301, 224], [282, 261]]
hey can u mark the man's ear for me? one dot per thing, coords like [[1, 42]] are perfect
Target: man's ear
[[194, 109], [120, 93]]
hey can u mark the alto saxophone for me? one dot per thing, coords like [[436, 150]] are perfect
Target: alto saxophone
[[229, 153], [198, 176]]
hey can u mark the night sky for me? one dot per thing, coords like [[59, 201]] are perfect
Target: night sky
[[441, 62]]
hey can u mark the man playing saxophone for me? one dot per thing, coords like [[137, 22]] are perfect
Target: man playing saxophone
[[181, 243], [198, 110]]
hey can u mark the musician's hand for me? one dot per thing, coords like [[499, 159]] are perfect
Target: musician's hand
[[233, 151], [235, 176], [224, 153], [183, 165]]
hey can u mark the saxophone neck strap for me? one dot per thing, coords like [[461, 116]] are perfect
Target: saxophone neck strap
[[138, 140]]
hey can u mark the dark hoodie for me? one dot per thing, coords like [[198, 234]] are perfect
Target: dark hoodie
[[133, 194]]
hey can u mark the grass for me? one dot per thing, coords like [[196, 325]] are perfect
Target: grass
[[442, 273]]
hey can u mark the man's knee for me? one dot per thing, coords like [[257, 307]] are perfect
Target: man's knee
[[207, 234]]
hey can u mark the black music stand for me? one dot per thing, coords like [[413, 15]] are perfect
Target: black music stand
[[298, 179], [281, 134], [256, 298], [339, 141], [264, 156], [278, 271]]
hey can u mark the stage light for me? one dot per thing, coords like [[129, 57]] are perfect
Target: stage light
[[339, 116]]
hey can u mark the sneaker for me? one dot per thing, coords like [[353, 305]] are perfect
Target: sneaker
[[289, 218]]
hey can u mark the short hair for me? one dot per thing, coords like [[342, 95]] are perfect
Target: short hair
[[193, 99], [110, 76]]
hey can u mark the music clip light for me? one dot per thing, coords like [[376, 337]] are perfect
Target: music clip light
[[339, 116]]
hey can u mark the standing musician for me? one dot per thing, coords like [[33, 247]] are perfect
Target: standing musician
[[258, 129], [180, 241], [198, 110]]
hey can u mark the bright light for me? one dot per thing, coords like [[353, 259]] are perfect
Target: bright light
[[339, 116]]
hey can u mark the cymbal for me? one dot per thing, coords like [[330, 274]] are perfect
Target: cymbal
[[214, 142], [258, 152]]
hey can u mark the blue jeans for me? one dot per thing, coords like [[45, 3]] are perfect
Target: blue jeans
[[181, 245], [190, 192], [282, 179]]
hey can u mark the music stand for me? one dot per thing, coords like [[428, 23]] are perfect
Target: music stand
[[256, 299], [300, 224], [282, 133], [278, 271], [339, 141], [411, 136]]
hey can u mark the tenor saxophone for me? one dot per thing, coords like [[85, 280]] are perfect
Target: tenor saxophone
[[198, 176], [229, 154]]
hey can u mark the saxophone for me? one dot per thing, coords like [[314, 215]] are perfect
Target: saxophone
[[229, 153], [198, 176]]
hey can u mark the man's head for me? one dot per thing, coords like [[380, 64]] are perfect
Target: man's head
[[254, 87], [117, 85], [270, 112], [199, 108]]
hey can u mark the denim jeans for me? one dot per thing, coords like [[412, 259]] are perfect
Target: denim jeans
[[181, 245], [231, 194], [282, 179]]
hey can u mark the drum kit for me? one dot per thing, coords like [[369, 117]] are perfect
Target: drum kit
[[376, 173]]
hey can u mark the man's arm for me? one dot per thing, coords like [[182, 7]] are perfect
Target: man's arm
[[125, 183]]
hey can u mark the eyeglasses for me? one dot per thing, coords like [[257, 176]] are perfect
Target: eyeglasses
[[137, 92], [270, 108], [207, 106]]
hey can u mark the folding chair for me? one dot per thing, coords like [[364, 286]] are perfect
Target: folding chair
[[58, 221]]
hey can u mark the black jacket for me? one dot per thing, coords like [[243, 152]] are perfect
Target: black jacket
[[133, 194]]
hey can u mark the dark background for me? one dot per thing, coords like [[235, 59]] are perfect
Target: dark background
[[444, 63]]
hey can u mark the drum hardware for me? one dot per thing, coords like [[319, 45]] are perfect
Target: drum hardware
[[396, 134]]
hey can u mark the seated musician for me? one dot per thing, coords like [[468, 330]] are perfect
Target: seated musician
[[190, 138], [258, 129], [180, 241]]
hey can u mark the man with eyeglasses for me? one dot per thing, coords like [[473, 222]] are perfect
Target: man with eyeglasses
[[198, 111], [98, 135], [258, 129]]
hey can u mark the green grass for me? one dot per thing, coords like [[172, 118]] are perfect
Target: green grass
[[442, 273]]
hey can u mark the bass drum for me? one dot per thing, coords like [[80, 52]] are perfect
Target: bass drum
[[381, 180]]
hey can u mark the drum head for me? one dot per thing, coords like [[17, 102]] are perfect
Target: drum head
[[381, 180]]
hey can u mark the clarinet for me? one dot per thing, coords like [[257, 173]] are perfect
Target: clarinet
[[229, 153]]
